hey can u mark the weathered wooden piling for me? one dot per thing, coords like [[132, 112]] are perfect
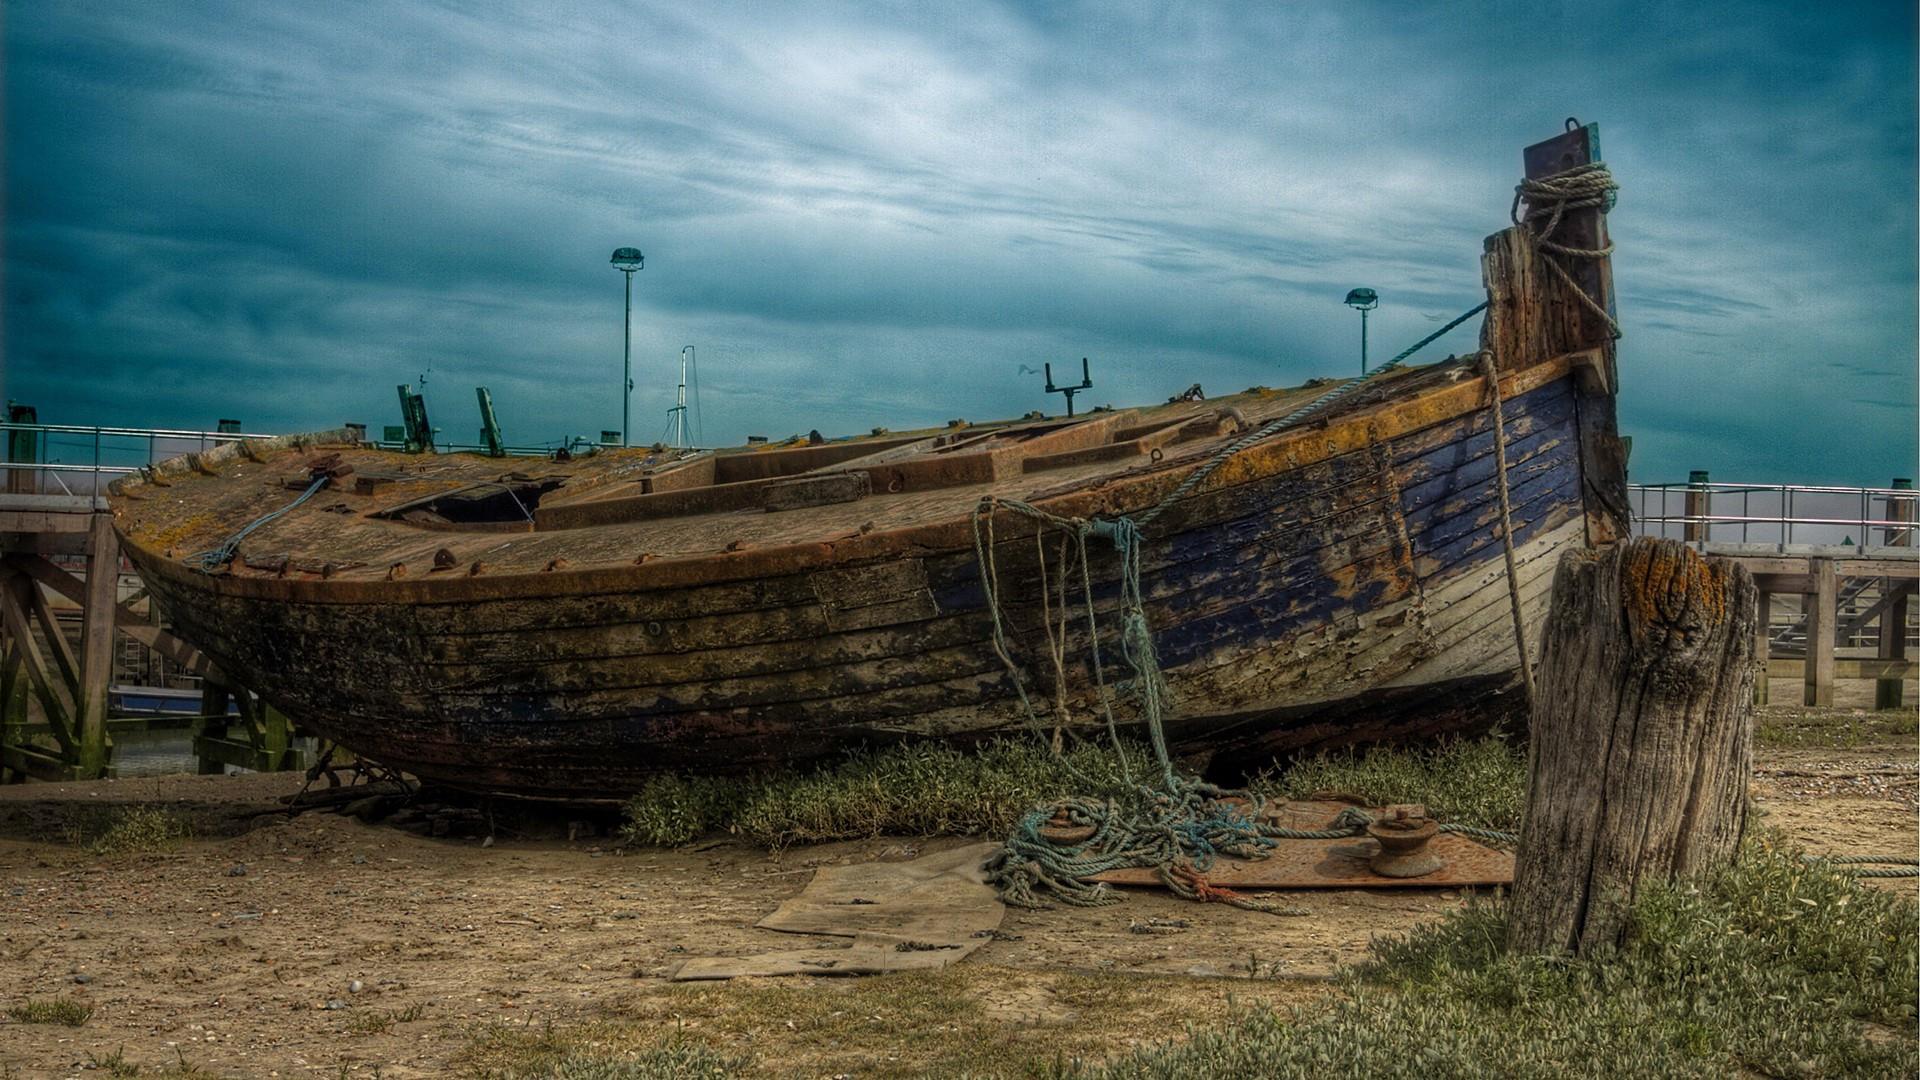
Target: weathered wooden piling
[[1642, 743], [1889, 691]]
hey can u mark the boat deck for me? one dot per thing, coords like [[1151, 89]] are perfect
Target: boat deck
[[385, 515]]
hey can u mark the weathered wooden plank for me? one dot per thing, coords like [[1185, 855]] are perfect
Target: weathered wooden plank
[[1822, 611], [96, 644], [50, 628], [58, 710]]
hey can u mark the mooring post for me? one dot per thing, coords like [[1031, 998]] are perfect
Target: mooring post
[[1699, 505], [1889, 691], [1642, 738], [97, 617], [1823, 610]]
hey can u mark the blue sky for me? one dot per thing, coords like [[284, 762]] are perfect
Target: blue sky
[[879, 214]]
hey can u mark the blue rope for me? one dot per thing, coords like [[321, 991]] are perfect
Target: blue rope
[[209, 561]]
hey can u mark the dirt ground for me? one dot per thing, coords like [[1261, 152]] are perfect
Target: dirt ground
[[320, 945]]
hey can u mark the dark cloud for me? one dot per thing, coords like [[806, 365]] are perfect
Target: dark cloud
[[875, 214]]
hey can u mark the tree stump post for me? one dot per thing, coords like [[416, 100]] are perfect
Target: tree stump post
[[1642, 738]]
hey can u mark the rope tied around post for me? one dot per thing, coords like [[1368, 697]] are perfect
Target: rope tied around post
[[1583, 187]]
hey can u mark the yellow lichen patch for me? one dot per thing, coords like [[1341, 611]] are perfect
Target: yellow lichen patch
[[1668, 590]]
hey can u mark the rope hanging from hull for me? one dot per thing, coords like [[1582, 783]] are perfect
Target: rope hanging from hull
[[1492, 370], [1177, 826]]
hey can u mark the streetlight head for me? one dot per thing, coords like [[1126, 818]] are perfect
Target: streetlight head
[[1363, 299], [628, 259]]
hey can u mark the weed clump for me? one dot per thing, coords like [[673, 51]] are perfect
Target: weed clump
[[1481, 782], [911, 789], [66, 1011], [129, 829], [553, 1055]]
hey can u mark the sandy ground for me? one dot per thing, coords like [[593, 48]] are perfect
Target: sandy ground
[[241, 953]]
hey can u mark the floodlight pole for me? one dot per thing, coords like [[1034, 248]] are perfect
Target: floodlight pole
[[1363, 301], [1363, 334], [627, 260], [626, 364]]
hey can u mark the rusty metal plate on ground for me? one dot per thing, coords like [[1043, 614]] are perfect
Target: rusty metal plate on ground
[[1338, 864]]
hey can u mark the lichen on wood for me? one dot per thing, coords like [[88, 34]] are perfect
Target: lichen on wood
[[1641, 744]]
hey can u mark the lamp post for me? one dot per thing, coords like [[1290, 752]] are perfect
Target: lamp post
[[627, 260], [1363, 301]]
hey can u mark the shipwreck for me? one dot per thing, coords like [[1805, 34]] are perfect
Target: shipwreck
[[1336, 563]]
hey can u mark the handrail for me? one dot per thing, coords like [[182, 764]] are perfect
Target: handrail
[[144, 433], [1776, 511]]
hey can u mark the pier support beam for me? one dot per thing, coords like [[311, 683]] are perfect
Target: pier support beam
[[1698, 507], [1823, 610], [1890, 693], [96, 645], [262, 743], [1762, 647]]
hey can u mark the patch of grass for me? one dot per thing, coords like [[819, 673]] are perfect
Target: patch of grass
[[1470, 781], [114, 1064], [1792, 726], [1774, 967], [516, 1053], [67, 1011], [381, 1021], [972, 1020], [909, 789], [128, 829]]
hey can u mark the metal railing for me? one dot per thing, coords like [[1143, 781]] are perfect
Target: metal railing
[[99, 454], [1781, 515]]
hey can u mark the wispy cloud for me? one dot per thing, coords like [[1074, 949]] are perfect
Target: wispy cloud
[[876, 214]]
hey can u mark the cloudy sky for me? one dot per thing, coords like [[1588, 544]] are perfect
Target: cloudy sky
[[886, 214]]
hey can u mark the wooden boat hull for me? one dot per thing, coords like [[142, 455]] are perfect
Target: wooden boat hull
[[1342, 583]]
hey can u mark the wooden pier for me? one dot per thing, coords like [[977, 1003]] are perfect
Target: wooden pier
[[1854, 574], [59, 556]]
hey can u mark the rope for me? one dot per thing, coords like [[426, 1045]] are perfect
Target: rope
[[1488, 365], [1304, 412], [1864, 866], [209, 561], [1583, 187]]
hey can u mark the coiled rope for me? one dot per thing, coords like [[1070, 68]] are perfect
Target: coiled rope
[[1583, 187], [209, 561]]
